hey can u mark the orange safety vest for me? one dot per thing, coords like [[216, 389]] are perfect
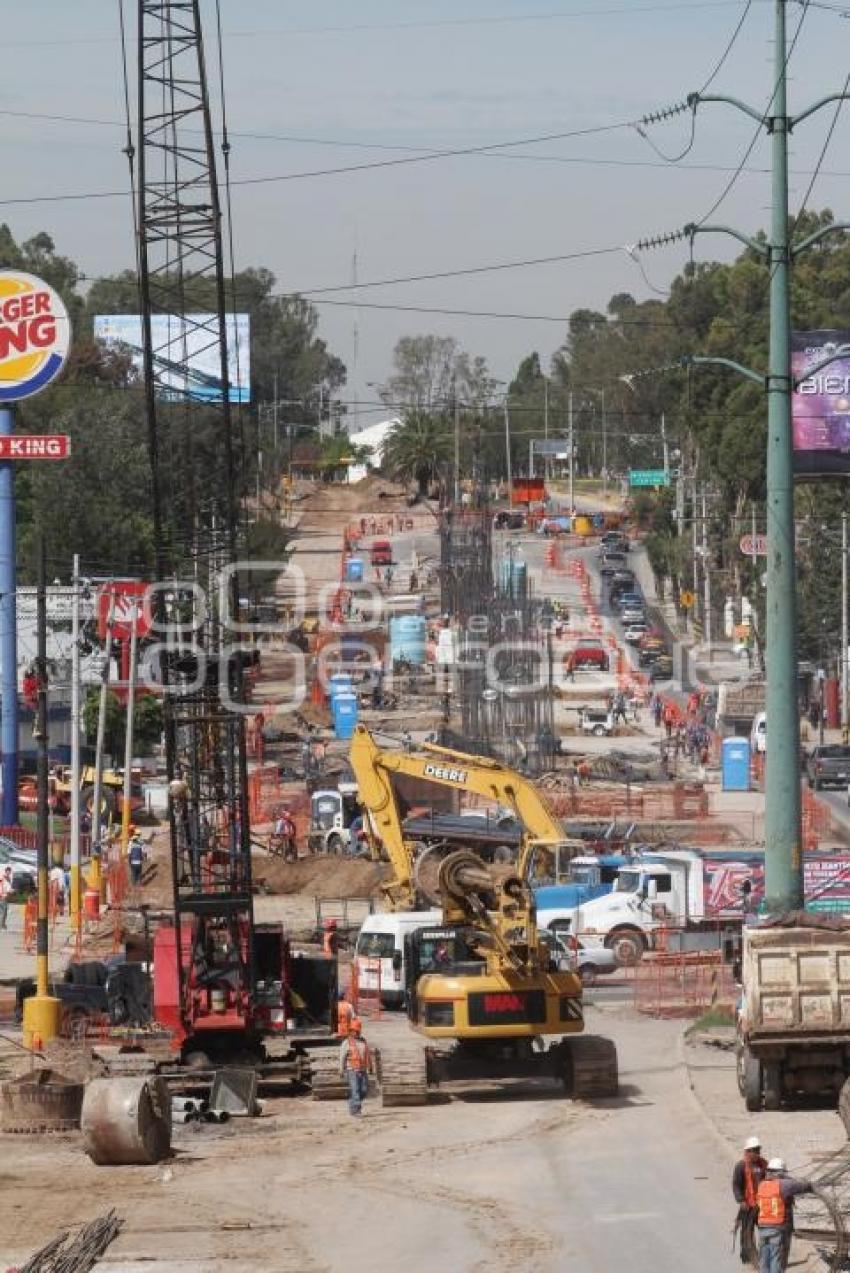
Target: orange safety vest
[[344, 1014], [357, 1059], [750, 1186], [771, 1204]]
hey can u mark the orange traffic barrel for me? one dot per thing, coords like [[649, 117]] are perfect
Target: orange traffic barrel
[[91, 903]]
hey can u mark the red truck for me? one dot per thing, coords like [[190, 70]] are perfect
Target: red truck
[[381, 553], [587, 654]]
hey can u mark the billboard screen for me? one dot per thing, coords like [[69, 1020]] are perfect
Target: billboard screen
[[821, 404], [185, 351]]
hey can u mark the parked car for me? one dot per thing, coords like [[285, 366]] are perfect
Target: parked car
[[634, 632], [758, 733], [592, 962], [588, 654], [828, 766], [594, 720]]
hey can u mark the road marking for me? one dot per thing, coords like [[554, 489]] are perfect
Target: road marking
[[624, 1217]]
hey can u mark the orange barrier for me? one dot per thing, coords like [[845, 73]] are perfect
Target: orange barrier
[[30, 922], [662, 802], [366, 1000], [682, 985]]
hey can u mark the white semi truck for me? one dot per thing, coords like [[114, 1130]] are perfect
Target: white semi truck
[[705, 895]]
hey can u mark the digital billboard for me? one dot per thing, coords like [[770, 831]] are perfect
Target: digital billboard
[[821, 404], [186, 352]]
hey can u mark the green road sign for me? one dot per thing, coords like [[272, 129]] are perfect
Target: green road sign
[[649, 477]]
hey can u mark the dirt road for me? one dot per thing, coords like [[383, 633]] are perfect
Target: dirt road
[[526, 1183]]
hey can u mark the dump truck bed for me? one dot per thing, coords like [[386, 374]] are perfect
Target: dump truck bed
[[796, 982]]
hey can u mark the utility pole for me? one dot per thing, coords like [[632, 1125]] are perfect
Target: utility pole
[[508, 448], [96, 874], [128, 732], [457, 450], [604, 447], [665, 450], [572, 456], [845, 636], [75, 902], [706, 577], [42, 1012], [783, 830]]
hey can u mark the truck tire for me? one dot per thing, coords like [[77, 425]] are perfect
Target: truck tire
[[772, 1085], [752, 1076], [628, 946], [844, 1106]]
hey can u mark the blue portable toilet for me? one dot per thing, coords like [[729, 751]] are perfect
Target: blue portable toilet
[[354, 570], [345, 715], [735, 764], [408, 633], [339, 683]]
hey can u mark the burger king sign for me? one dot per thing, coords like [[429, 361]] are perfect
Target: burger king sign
[[35, 333]]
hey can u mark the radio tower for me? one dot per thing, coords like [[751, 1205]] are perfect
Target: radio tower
[[182, 301]]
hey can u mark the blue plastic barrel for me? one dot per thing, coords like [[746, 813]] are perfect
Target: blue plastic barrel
[[407, 638]]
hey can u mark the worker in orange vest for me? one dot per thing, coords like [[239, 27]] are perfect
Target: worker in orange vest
[[747, 1175], [344, 1015], [775, 1201], [355, 1062], [330, 937]]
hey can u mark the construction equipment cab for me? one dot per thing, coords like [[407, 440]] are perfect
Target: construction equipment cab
[[381, 553], [334, 819]]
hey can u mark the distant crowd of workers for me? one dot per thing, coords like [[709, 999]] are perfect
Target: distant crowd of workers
[[765, 1196]]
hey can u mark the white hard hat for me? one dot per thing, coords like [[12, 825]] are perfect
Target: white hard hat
[[753, 1142], [776, 1164]]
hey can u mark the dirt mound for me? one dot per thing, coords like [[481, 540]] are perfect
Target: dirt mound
[[320, 876]]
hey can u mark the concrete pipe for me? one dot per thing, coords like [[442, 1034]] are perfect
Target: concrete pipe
[[126, 1121]]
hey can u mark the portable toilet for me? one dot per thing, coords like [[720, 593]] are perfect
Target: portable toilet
[[345, 710], [735, 764], [354, 570], [339, 683], [582, 525]]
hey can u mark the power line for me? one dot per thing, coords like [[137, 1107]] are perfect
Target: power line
[[483, 313], [825, 146], [496, 20]]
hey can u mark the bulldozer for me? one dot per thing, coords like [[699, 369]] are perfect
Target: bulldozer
[[482, 988]]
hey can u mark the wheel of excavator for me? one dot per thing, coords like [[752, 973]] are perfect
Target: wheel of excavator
[[326, 1082], [402, 1077], [588, 1066]]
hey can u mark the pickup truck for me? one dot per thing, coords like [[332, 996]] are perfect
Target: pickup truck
[[828, 766], [793, 1033], [118, 991], [697, 893]]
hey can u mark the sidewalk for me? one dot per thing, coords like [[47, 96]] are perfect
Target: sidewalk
[[15, 962]]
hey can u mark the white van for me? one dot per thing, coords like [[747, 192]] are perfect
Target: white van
[[758, 734], [379, 953]]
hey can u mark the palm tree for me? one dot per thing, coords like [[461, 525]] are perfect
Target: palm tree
[[416, 447]]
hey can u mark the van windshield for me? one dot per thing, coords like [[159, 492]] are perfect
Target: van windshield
[[376, 945], [628, 882]]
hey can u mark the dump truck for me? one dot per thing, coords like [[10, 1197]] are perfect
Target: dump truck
[[793, 1027]]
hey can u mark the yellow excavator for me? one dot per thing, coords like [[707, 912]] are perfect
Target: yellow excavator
[[480, 984]]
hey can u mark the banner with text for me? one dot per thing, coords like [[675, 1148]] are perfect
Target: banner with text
[[821, 403]]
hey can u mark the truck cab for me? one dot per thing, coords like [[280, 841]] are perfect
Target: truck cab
[[588, 877]]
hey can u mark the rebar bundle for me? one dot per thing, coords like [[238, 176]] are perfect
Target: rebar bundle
[[77, 1254]]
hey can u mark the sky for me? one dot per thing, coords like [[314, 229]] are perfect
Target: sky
[[332, 84]]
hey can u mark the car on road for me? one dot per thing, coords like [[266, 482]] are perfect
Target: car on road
[[571, 953], [632, 613], [614, 541], [634, 632], [630, 596], [661, 668], [611, 562], [828, 766], [24, 864]]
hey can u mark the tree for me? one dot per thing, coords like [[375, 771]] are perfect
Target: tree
[[147, 723], [417, 447], [433, 372]]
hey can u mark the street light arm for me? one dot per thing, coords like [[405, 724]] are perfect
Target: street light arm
[[692, 229], [798, 248], [696, 99], [694, 360], [843, 351], [810, 110]]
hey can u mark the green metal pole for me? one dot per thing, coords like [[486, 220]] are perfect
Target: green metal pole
[[783, 839]]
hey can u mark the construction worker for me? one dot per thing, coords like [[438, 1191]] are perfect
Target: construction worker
[[135, 855], [355, 1062], [5, 890], [747, 1175], [344, 1015], [330, 937], [775, 1202]]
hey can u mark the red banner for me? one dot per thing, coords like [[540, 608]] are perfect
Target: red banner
[[35, 446]]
